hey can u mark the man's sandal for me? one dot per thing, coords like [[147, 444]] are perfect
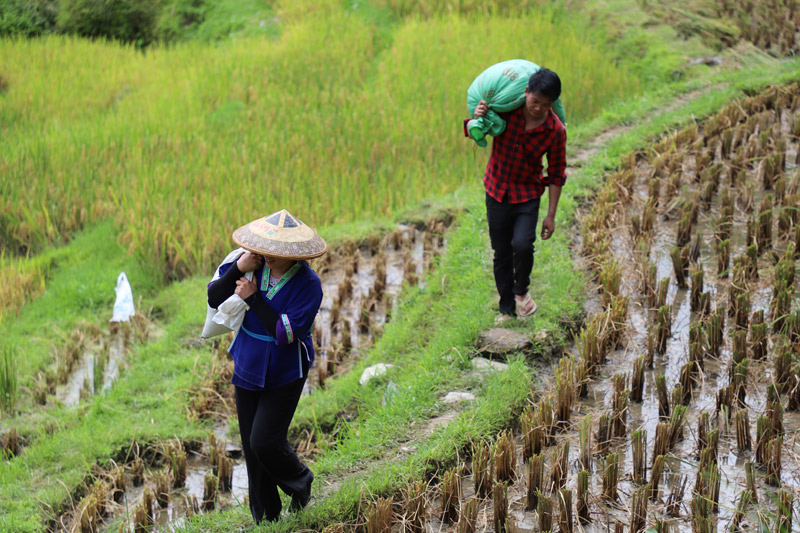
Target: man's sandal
[[526, 307]]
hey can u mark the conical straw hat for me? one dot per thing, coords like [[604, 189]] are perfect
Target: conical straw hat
[[280, 234]]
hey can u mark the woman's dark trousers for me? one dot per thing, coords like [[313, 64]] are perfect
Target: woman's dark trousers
[[512, 231], [264, 418]]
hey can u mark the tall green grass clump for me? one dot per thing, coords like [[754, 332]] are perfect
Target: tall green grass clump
[[8, 379]]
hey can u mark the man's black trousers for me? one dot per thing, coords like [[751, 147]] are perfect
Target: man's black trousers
[[264, 418], [512, 231]]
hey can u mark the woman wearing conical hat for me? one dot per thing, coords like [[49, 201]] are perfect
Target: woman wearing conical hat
[[272, 351]]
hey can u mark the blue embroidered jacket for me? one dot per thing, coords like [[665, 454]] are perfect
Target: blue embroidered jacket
[[262, 361]]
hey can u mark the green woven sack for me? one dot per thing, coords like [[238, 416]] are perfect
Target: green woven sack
[[503, 87]]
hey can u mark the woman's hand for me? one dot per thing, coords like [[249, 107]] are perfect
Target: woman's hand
[[249, 262], [245, 288]]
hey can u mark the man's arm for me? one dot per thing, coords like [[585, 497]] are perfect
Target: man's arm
[[556, 177], [549, 222]]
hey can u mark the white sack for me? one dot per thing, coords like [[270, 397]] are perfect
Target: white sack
[[230, 314]]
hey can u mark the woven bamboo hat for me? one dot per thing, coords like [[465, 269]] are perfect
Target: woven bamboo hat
[[280, 234]]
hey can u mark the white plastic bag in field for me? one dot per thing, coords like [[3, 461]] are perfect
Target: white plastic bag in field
[[230, 314], [123, 305]]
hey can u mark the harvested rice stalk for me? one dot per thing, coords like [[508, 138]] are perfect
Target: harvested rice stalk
[[680, 265], [663, 398], [744, 500], [620, 406], [583, 497], [379, 516], [565, 511], [773, 461], [758, 335], [723, 257], [545, 509], [765, 224], [610, 476], [663, 290], [565, 390], [743, 310], [585, 442], [547, 419], [210, 484], [739, 382], [162, 489], [655, 476], [469, 516], [639, 509], [558, 467], [743, 439], [784, 520], [664, 328], [414, 507], [451, 495], [739, 351], [535, 477], [715, 330], [697, 287], [701, 514], [481, 472], [137, 471], [637, 379], [639, 452], [675, 498], [676, 422], [763, 436], [782, 368], [688, 381], [703, 429], [505, 457], [604, 433], [696, 344], [530, 444]]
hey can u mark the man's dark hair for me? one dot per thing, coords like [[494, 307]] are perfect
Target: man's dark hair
[[545, 82]]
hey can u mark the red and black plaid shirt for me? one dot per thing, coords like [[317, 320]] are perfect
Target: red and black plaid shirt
[[514, 172]]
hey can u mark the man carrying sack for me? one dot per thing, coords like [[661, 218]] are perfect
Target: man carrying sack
[[515, 182]]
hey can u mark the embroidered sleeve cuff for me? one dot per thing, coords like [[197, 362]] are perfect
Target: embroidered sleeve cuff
[[283, 331]]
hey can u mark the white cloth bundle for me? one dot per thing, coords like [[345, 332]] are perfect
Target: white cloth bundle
[[230, 313]]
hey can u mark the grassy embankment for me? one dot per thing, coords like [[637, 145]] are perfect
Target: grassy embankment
[[450, 318]]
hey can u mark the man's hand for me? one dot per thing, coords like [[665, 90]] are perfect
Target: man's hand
[[249, 262], [245, 288], [481, 109], [548, 227]]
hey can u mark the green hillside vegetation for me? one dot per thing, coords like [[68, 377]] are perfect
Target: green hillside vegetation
[[347, 114], [327, 121]]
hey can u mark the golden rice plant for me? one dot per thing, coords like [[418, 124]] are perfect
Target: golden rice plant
[[169, 157]]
